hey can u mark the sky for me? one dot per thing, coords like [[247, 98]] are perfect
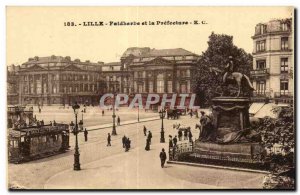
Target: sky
[[40, 31]]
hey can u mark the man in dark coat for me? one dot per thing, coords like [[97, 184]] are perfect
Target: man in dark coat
[[185, 134], [127, 144], [149, 136], [190, 136], [175, 140], [147, 148], [163, 157], [108, 140], [102, 112], [124, 139], [119, 120], [170, 142], [180, 135], [85, 135], [145, 130]]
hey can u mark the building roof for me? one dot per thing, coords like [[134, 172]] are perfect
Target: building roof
[[168, 52], [112, 64], [58, 59], [147, 52], [135, 51]]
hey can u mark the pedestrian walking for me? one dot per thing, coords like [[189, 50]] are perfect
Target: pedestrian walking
[[145, 131], [163, 157], [119, 120], [179, 135], [108, 140], [147, 148], [54, 123], [185, 132], [196, 114], [85, 135], [170, 142], [191, 113], [190, 136], [175, 140], [102, 112], [149, 136], [124, 139], [127, 144]]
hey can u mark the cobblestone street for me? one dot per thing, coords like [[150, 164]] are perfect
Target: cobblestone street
[[107, 167]]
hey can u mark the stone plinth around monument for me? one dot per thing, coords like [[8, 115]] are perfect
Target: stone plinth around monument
[[230, 114], [230, 129], [240, 152]]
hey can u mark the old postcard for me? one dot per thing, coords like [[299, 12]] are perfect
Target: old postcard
[[107, 98]]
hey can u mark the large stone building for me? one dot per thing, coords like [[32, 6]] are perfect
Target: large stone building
[[161, 71], [59, 80], [273, 60]]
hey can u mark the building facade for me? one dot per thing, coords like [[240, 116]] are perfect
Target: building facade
[[59, 80], [273, 60], [160, 71]]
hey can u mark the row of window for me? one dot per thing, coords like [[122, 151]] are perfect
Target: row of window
[[180, 73], [261, 86], [63, 77], [62, 88], [284, 65], [261, 45], [262, 28], [160, 87], [167, 58]]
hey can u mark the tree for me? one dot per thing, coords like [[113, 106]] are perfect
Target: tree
[[212, 62], [279, 133]]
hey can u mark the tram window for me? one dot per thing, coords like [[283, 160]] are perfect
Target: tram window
[[16, 144], [22, 139], [44, 139]]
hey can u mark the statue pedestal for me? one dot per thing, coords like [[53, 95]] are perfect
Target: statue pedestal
[[230, 114], [238, 152], [230, 127]]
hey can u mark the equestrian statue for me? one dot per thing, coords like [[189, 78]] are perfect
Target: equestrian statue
[[231, 76]]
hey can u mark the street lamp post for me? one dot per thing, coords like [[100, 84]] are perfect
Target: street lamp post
[[114, 131], [76, 165], [162, 114]]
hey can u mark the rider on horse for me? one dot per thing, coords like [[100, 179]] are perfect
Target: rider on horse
[[229, 69]]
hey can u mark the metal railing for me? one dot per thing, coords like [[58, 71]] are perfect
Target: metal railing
[[283, 94], [180, 148], [259, 72]]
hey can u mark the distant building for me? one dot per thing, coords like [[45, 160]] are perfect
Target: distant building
[[158, 70], [273, 61], [59, 80]]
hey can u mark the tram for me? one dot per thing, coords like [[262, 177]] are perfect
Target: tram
[[30, 143]]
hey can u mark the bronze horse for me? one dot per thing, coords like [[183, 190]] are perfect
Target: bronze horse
[[240, 79]]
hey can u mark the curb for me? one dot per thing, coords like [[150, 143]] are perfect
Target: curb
[[217, 167], [129, 123]]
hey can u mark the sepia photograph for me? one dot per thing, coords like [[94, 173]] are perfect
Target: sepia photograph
[[150, 98]]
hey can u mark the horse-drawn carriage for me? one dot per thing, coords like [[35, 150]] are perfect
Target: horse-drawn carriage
[[173, 114], [29, 143]]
